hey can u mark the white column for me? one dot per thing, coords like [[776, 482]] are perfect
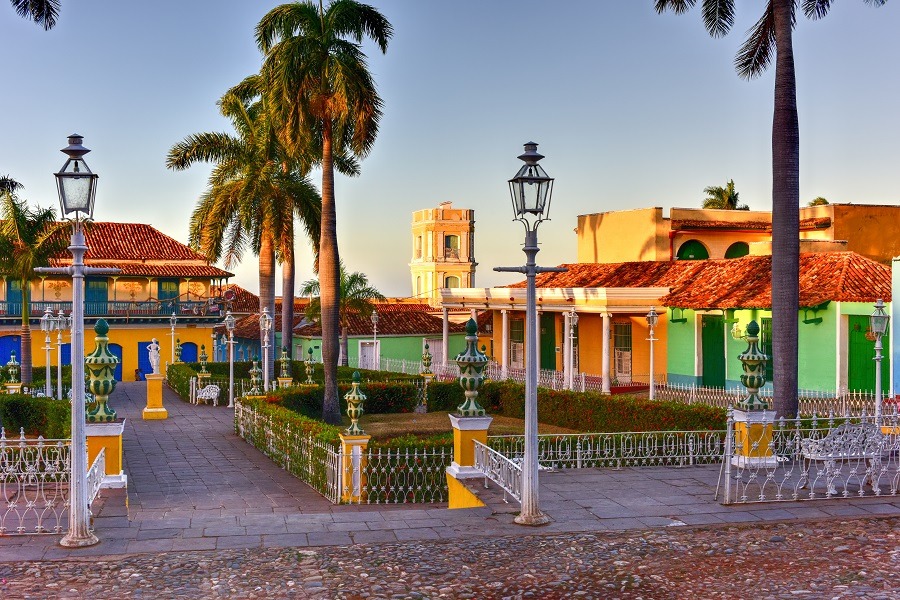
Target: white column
[[504, 354], [606, 352], [537, 339], [567, 351], [446, 334]]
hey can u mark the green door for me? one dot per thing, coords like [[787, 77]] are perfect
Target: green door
[[95, 296], [861, 355], [548, 341], [713, 340]]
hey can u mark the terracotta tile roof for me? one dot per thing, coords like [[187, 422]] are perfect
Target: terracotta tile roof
[[805, 224], [244, 301], [629, 274], [746, 282], [155, 270], [390, 322]]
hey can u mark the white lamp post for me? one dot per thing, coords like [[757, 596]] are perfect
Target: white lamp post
[[229, 326], [48, 325], [878, 322], [374, 318], [652, 320], [62, 322], [530, 191], [77, 187], [265, 323], [173, 321]]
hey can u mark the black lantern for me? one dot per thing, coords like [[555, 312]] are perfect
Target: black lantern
[[76, 184], [531, 188]]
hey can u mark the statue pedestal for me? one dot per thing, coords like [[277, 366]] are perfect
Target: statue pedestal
[[13, 388], [753, 438], [284, 382], [107, 436], [155, 409], [466, 430], [353, 467]]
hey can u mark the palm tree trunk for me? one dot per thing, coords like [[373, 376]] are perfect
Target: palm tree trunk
[[25, 359], [329, 282], [785, 217], [345, 358], [287, 299], [267, 294]]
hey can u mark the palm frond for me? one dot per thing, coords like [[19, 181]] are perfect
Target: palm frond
[[755, 54], [676, 6], [718, 16], [42, 12]]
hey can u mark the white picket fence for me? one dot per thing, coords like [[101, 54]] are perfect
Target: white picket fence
[[810, 401]]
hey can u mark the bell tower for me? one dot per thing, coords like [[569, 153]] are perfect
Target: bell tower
[[443, 250]]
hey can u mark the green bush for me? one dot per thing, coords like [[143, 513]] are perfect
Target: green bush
[[179, 376], [300, 425], [39, 377], [38, 416], [381, 398], [582, 411]]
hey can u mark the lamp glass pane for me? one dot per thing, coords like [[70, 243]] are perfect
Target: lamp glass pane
[[878, 321], [77, 186]]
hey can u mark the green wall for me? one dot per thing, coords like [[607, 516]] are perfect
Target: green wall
[[396, 347]]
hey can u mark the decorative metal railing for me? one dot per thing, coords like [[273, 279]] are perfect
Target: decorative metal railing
[[34, 485], [120, 308], [617, 450], [811, 459], [384, 475], [501, 470], [95, 475], [811, 401]]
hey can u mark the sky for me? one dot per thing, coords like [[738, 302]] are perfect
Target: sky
[[631, 109]]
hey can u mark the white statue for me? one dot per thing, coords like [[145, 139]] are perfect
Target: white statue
[[153, 349]]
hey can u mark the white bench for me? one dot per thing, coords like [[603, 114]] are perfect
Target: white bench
[[211, 393], [846, 444]]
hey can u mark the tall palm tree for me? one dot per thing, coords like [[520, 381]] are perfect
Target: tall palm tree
[[29, 238], [773, 33], [356, 298], [255, 192], [42, 12], [319, 85], [725, 198]]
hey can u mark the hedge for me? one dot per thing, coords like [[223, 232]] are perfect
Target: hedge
[[381, 398], [582, 411], [38, 416]]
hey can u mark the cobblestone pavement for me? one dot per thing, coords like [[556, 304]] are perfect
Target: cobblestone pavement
[[850, 558]]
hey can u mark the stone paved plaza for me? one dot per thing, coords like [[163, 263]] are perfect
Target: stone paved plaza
[[207, 514]]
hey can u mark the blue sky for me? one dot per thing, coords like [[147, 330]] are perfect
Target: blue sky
[[631, 109]]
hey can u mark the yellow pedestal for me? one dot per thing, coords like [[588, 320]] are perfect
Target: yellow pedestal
[[13, 388], [155, 409], [753, 438], [353, 468], [466, 431], [107, 436], [284, 382]]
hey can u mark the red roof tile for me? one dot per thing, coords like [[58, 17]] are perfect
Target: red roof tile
[[805, 224], [390, 322], [629, 274], [244, 301], [155, 270]]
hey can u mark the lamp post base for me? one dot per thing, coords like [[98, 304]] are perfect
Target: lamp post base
[[533, 520], [71, 541]]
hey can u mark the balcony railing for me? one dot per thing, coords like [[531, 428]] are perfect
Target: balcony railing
[[120, 308]]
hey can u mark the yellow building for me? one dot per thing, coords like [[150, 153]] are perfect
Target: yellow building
[[443, 253], [693, 234], [160, 277]]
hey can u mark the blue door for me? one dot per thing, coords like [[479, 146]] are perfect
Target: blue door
[[95, 296], [144, 359], [66, 354], [188, 352], [116, 349], [8, 345]]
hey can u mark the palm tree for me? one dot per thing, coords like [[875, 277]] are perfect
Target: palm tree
[[773, 33], [725, 198], [319, 85], [255, 192], [42, 12], [29, 238], [356, 298], [817, 201]]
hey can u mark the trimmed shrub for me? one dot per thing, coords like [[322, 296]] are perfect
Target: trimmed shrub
[[299, 424], [381, 398], [38, 416], [179, 376]]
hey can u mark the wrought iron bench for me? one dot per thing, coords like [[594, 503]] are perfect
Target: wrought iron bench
[[210, 392], [849, 443]]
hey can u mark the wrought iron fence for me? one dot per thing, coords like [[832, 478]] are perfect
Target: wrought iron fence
[[617, 450], [401, 475], [34, 484], [811, 458], [810, 401], [501, 470]]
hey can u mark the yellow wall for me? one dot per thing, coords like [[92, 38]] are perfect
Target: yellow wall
[[126, 336], [621, 236], [429, 261]]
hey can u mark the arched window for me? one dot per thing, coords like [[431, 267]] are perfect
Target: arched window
[[451, 281], [737, 250], [692, 250], [451, 246], [418, 286]]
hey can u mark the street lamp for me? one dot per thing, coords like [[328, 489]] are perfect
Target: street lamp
[[48, 325], [77, 187], [878, 322], [530, 191], [652, 320], [229, 326], [62, 322], [374, 317], [265, 323], [173, 321]]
